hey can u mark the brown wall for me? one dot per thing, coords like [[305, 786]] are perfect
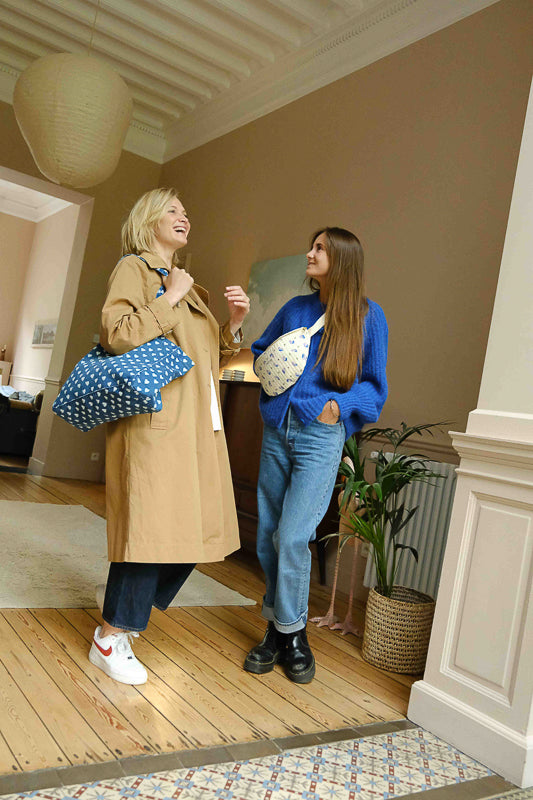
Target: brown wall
[[113, 199], [415, 153], [16, 237]]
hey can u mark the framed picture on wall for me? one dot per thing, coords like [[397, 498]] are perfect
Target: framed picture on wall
[[44, 333]]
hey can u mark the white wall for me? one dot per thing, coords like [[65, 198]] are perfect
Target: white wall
[[16, 237], [42, 295]]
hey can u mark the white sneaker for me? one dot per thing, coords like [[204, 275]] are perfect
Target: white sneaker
[[113, 654], [100, 596]]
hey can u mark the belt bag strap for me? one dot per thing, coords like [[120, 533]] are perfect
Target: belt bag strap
[[319, 324], [282, 363]]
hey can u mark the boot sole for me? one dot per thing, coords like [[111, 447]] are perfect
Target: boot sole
[[302, 677]]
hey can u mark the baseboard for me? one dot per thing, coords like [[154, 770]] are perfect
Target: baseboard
[[35, 467], [501, 749]]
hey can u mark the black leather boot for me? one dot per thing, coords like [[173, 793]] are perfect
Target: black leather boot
[[298, 660], [264, 655]]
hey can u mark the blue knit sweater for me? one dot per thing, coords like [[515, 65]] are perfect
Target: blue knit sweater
[[359, 404]]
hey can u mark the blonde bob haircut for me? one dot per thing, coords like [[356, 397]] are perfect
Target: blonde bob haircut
[[139, 229]]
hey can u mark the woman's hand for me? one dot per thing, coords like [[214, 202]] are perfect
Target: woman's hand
[[330, 413], [239, 306], [177, 284]]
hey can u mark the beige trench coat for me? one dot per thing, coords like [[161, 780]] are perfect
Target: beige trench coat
[[169, 490]]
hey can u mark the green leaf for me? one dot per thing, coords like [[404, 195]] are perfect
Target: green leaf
[[378, 490], [399, 546]]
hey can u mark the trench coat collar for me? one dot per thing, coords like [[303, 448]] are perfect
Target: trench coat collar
[[155, 261]]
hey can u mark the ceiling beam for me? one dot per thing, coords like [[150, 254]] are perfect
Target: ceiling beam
[[350, 6], [179, 37], [312, 13], [148, 117], [151, 101], [284, 32], [218, 26], [152, 44], [186, 43], [67, 34], [35, 49], [26, 45], [15, 61]]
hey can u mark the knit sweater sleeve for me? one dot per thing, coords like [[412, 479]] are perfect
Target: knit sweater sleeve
[[276, 328], [364, 401]]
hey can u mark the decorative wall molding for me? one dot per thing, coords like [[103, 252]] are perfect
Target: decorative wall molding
[[476, 688], [32, 213], [508, 752], [487, 516], [146, 142], [40, 382], [434, 450], [500, 452]]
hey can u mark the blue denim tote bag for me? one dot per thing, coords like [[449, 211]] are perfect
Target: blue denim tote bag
[[102, 387]]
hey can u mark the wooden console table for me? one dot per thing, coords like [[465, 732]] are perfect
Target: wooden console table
[[244, 432]]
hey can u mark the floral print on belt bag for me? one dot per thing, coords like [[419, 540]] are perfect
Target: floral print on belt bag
[[282, 363]]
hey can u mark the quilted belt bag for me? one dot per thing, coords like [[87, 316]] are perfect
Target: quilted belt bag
[[102, 387], [282, 363]]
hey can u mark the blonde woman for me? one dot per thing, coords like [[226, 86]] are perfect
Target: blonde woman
[[169, 493], [342, 387]]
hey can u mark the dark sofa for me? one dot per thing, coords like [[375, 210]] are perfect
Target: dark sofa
[[18, 425]]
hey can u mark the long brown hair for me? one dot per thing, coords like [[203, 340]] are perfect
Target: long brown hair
[[341, 347]]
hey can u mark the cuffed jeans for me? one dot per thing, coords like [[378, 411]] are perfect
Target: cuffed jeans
[[132, 589], [297, 473]]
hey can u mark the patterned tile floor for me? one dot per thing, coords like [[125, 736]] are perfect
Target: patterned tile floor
[[377, 767]]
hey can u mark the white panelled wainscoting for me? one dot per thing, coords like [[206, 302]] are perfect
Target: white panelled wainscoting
[[477, 691]]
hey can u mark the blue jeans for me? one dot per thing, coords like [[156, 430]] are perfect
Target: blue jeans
[[132, 589], [297, 475]]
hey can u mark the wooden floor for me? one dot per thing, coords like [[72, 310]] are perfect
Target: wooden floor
[[57, 709]]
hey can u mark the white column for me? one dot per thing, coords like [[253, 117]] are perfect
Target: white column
[[477, 691]]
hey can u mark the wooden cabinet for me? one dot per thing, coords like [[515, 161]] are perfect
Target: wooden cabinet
[[5, 371], [244, 432]]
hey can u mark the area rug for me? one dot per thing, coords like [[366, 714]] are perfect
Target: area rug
[[52, 556]]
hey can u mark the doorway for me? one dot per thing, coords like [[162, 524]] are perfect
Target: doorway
[[44, 229]]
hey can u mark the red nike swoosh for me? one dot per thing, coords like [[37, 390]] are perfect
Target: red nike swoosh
[[103, 652]]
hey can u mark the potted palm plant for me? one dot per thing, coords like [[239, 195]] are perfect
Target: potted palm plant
[[398, 619]]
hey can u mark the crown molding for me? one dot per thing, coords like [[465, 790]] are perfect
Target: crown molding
[[8, 79], [145, 141], [369, 31], [361, 40]]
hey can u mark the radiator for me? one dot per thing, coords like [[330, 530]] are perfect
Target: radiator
[[426, 532]]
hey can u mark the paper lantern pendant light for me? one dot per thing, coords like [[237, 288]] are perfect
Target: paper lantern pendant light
[[73, 112]]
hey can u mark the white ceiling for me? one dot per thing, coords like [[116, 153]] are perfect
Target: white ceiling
[[200, 68], [21, 201]]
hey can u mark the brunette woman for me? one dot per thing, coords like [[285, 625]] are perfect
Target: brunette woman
[[342, 387], [169, 491]]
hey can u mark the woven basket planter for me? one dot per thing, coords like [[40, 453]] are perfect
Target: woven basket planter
[[397, 630]]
